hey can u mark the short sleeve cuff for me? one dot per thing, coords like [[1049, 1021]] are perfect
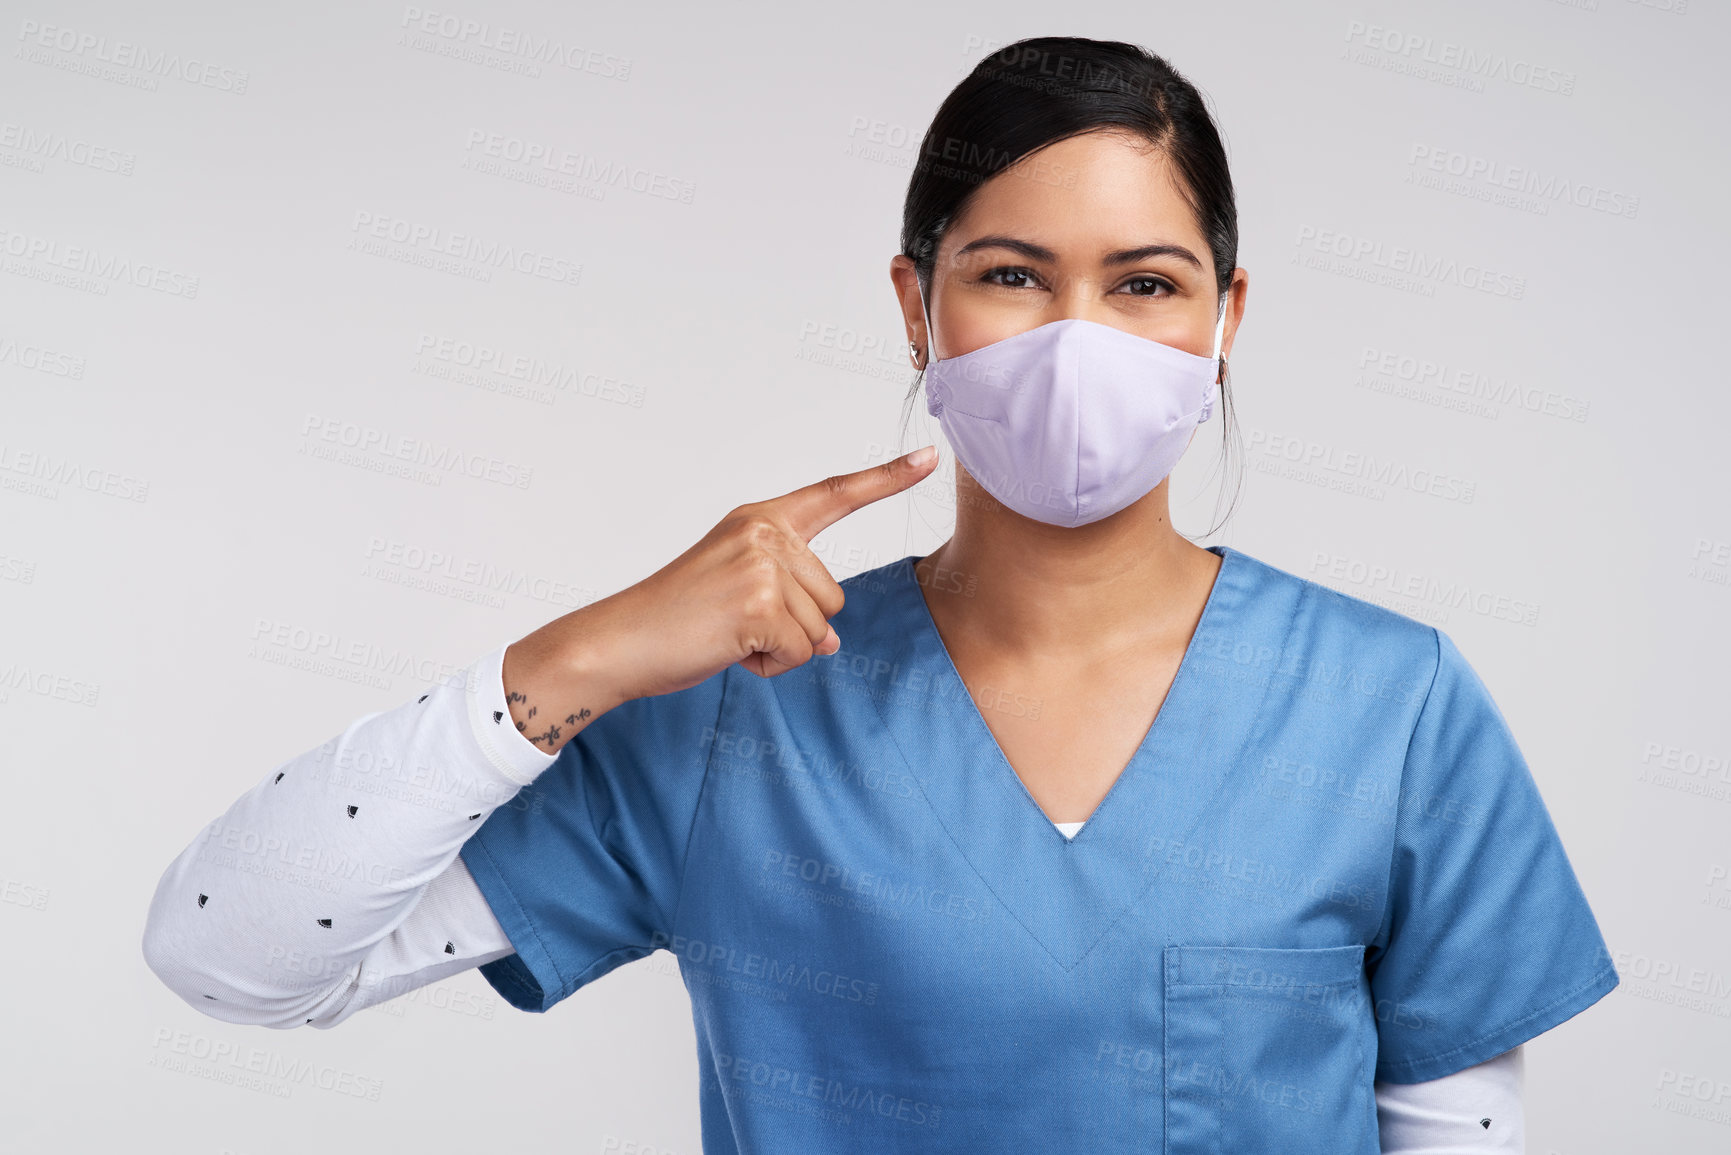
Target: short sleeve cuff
[[1489, 1046], [511, 754], [527, 980]]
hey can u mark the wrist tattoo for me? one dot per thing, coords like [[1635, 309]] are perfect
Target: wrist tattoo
[[550, 736]]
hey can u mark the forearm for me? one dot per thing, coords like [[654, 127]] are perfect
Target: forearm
[[268, 915], [1476, 1111]]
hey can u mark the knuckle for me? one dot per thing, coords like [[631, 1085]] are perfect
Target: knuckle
[[761, 531], [761, 602]]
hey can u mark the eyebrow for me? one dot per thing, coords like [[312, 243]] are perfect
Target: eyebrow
[[1118, 257]]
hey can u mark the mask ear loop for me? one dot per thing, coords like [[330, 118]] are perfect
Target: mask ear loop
[[934, 403], [1219, 337], [926, 313]]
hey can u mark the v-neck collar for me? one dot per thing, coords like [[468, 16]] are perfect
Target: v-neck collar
[[1067, 892]]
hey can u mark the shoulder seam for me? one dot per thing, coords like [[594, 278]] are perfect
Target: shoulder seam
[[1354, 600]]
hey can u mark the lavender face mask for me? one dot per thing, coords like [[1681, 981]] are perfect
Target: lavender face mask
[[1072, 421]]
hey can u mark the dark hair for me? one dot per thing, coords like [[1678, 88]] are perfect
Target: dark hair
[[1041, 90]]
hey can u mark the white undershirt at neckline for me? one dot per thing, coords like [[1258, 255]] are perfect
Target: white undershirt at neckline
[[1068, 829]]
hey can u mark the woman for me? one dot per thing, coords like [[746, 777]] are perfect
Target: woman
[[1069, 835]]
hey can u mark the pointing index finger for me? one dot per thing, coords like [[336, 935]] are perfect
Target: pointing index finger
[[813, 508]]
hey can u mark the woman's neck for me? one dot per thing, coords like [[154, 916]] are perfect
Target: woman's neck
[[1027, 589]]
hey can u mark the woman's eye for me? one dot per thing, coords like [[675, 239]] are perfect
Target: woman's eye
[[992, 276], [1021, 277], [1148, 287]]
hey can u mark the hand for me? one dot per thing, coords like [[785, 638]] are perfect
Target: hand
[[750, 592]]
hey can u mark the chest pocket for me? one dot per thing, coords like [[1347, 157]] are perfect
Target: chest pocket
[[1265, 1051]]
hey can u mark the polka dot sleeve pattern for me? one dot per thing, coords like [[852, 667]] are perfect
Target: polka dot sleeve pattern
[[334, 883]]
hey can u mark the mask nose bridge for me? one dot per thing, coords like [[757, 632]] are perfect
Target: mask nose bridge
[[1071, 341]]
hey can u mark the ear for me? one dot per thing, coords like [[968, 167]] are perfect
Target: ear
[[907, 287], [1237, 292]]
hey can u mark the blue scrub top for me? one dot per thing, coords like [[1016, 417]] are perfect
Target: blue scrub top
[[1327, 863]]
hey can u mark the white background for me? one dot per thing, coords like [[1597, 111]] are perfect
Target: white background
[[170, 509]]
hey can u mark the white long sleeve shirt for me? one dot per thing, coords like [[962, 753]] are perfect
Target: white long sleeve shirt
[[334, 884]]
